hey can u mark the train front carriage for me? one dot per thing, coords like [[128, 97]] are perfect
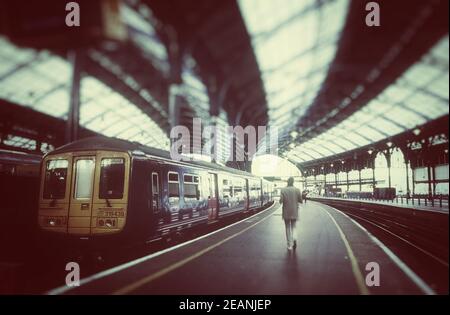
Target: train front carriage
[[84, 193], [114, 193]]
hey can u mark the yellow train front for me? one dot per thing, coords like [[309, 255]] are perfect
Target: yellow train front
[[101, 193], [84, 193]]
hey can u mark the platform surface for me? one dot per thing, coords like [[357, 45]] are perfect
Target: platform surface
[[251, 257]]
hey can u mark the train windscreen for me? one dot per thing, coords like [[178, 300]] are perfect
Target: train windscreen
[[112, 176], [55, 179]]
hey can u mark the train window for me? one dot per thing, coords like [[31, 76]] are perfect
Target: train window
[[227, 188], [191, 186], [55, 179], [155, 192], [237, 187], [84, 177], [174, 184], [155, 186], [112, 178]]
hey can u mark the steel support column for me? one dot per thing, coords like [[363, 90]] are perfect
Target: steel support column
[[73, 121], [433, 173], [348, 182], [407, 178], [359, 176], [430, 189], [373, 178], [388, 159]]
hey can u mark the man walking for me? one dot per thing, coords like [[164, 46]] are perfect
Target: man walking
[[290, 198]]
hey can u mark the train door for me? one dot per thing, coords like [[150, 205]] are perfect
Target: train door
[[80, 209], [110, 197], [213, 208], [54, 195]]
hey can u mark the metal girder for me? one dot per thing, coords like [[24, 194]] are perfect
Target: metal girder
[[119, 86], [20, 66], [401, 140], [266, 35], [211, 33]]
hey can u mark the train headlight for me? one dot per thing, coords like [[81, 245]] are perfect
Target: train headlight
[[55, 221], [106, 222]]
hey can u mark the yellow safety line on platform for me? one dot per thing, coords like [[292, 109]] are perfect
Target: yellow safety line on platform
[[354, 262], [135, 285]]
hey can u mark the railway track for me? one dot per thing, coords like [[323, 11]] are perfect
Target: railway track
[[420, 239], [35, 273]]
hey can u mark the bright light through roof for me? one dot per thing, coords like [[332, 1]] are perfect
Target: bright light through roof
[[273, 166], [294, 42]]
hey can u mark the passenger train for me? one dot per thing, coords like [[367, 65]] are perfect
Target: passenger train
[[19, 177], [111, 192]]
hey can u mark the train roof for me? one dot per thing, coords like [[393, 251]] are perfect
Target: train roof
[[114, 144]]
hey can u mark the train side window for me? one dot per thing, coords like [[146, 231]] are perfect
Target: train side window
[[55, 179], [238, 188], [174, 185], [227, 188], [155, 192], [112, 178], [84, 176], [174, 189], [191, 185]]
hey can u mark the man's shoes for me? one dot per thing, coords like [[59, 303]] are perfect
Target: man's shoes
[[295, 244]]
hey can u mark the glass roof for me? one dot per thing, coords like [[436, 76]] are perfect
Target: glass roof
[[25, 79], [41, 81], [421, 94], [143, 34], [294, 44]]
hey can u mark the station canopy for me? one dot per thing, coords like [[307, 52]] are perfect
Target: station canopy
[[295, 44], [41, 80], [420, 95]]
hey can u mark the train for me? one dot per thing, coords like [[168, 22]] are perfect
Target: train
[[384, 193], [111, 192], [379, 193], [19, 177]]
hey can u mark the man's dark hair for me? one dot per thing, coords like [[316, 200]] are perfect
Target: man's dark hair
[[290, 181]]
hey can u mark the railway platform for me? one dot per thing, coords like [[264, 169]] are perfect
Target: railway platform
[[335, 255], [398, 202]]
